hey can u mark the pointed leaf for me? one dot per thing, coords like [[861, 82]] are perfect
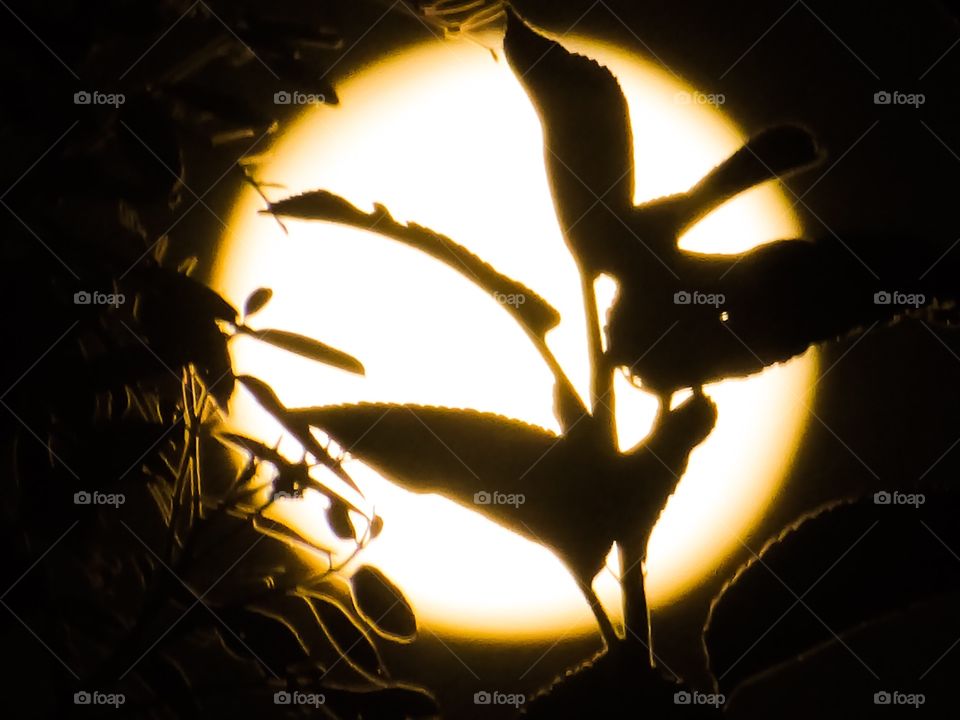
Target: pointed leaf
[[255, 448], [533, 311], [839, 562], [520, 476], [308, 348], [382, 604], [297, 427]]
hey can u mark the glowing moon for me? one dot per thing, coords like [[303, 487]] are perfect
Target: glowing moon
[[444, 136]]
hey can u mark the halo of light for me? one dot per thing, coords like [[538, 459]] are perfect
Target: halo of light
[[444, 136]]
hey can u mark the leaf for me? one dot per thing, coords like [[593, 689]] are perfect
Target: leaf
[[432, 449], [848, 564], [547, 484], [349, 639], [308, 348], [338, 517], [376, 526], [255, 448], [382, 604], [534, 312], [185, 294], [256, 301], [900, 648], [297, 427], [264, 637]]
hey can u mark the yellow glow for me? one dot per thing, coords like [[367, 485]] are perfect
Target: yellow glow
[[445, 136]]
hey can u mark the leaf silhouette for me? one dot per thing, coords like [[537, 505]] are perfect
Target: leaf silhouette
[[839, 563], [588, 142], [256, 301], [338, 516], [255, 448], [308, 348], [297, 427], [558, 491], [382, 604], [348, 637], [263, 636], [899, 648], [534, 313]]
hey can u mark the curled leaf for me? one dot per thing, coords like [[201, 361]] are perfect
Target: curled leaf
[[382, 604], [347, 637]]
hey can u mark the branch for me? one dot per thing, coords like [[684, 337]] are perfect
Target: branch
[[534, 314]]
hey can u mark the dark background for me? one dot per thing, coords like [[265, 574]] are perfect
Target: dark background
[[885, 409]]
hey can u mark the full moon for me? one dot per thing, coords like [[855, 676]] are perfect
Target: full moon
[[443, 135]]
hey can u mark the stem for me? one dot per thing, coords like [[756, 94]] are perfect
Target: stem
[[607, 631], [636, 614], [182, 469], [601, 375]]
